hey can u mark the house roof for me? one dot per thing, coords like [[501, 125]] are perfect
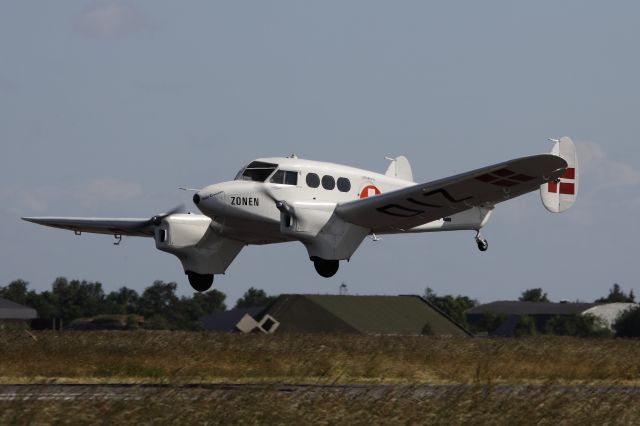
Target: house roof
[[360, 314], [511, 307], [13, 310], [227, 320]]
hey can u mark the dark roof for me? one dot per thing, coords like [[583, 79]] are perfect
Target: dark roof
[[511, 307], [13, 310], [227, 320], [360, 314]]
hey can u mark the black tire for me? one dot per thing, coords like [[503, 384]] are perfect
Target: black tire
[[483, 245], [200, 282], [326, 268]]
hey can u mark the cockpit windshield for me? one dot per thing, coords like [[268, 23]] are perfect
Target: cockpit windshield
[[257, 171]]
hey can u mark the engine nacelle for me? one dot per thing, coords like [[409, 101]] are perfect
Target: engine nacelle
[[325, 235], [192, 240]]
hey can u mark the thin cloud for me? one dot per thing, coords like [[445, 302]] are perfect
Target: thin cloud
[[595, 163], [107, 19], [94, 193]]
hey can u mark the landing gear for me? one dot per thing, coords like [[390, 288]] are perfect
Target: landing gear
[[326, 268], [482, 243], [200, 282]]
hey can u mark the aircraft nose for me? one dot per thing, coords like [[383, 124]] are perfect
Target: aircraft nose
[[209, 200]]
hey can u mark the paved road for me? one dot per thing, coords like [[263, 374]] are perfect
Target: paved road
[[66, 392]]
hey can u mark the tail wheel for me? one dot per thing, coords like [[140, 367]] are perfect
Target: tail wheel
[[482, 243], [200, 282], [326, 268]]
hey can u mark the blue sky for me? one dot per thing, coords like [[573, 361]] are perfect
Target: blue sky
[[107, 107]]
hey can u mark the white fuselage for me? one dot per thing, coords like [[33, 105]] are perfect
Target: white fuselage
[[245, 210]]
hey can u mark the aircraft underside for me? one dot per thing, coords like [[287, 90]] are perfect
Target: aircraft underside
[[331, 209]]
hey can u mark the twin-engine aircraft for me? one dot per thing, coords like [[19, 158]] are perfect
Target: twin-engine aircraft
[[332, 208]]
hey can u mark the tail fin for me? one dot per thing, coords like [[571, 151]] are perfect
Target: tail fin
[[559, 195], [399, 168]]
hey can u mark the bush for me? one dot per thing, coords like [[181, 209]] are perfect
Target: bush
[[526, 326], [577, 325], [628, 323]]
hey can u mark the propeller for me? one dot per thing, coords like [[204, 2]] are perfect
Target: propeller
[[157, 219]]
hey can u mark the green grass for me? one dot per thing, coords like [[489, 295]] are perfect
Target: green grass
[[181, 357], [175, 358]]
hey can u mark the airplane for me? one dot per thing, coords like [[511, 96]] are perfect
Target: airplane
[[332, 208]]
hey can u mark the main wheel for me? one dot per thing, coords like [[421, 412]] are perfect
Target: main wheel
[[326, 268], [200, 282], [483, 245]]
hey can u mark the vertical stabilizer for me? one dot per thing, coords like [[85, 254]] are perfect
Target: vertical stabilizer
[[400, 168], [559, 195]]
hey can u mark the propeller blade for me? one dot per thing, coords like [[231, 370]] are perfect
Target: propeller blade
[[155, 220]]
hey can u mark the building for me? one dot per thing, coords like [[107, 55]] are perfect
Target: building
[[390, 315], [509, 311], [225, 321], [13, 314]]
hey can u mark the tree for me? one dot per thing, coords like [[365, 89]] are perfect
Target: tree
[[190, 309], [628, 323], [254, 298], [159, 299], [122, 301], [580, 325], [533, 295], [489, 322], [16, 291], [525, 326], [453, 306], [77, 299], [617, 295]]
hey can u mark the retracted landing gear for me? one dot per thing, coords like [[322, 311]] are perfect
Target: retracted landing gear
[[482, 243], [326, 268], [200, 282]]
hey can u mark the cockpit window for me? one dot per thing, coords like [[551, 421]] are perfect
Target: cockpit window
[[257, 171], [285, 177]]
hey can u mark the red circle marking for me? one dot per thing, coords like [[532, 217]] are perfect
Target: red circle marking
[[369, 191]]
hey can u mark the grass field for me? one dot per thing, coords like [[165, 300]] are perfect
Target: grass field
[[555, 365]]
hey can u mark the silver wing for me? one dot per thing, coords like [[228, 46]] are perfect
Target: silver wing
[[113, 226], [423, 203]]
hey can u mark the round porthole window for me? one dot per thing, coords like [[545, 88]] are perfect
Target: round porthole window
[[344, 185], [313, 181], [328, 182]]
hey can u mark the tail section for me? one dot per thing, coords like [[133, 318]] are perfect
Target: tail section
[[399, 168], [559, 195]]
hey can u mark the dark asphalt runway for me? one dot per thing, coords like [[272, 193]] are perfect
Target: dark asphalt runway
[[70, 392]]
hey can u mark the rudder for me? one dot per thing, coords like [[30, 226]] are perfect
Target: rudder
[[559, 195]]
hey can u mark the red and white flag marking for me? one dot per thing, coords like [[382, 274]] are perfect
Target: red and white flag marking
[[369, 191]]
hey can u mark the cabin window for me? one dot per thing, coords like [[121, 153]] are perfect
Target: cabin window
[[344, 185], [313, 181], [328, 182], [285, 177], [257, 171], [278, 177], [290, 178]]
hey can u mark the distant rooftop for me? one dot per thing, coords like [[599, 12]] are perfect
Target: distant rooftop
[[13, 310], [516, 307], [403, 315]]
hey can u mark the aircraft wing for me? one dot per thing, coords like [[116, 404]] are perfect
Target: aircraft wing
[[415, 205], [113, 226]]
